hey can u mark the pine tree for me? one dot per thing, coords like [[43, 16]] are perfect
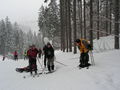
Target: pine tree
[[116, 9], [2, 37], [74, 21]]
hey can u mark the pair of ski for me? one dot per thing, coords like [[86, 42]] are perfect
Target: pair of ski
[[38, 74]]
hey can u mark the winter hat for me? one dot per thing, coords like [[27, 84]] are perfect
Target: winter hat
[[48, 43]]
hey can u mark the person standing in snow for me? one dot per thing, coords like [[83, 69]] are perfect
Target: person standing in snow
[[84, 47], [32, 54], [15, 55], [3, 57], [50, 57], [25, 54]]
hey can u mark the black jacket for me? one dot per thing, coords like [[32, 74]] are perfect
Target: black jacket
[[49, 52]]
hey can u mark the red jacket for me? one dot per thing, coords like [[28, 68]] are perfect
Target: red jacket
[[15, 53], [32, 53]]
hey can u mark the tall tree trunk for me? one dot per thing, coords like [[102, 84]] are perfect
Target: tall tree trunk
[[91, 22], [116, 24], [110, 16], [106, 18], [98, 19], [62, 25], [66, 24], [61, 21], [81, 18], [84, 20], [69, 25], [74, 23]]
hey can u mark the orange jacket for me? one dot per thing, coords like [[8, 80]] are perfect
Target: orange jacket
[[82, 47]]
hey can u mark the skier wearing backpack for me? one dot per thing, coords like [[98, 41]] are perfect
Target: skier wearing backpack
[[50, 57], [32, 54], [84, 47]]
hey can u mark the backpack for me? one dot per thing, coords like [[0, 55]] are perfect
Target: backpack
[[87, 44]]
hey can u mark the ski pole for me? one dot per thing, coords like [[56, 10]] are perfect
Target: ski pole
[[44, 68], [92, 58], [42, 59], [61, 63], [40, 63]]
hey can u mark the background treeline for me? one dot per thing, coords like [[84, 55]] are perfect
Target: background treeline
[[13, 38], [70, 19]]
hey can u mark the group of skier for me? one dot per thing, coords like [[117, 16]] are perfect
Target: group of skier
[[48, 57], [83, 45]]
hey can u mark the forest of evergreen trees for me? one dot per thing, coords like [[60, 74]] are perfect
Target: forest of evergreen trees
[[62, 21], [13, 38], [70, 19]]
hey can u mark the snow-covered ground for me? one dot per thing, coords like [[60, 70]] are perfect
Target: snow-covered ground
[[105, 75]]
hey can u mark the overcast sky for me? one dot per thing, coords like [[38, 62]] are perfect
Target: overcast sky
[[25, 12]]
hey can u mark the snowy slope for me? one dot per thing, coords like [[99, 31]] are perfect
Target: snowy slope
[[105, 75], [104, 44]]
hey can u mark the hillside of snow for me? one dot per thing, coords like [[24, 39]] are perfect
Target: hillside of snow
[[105, 75]]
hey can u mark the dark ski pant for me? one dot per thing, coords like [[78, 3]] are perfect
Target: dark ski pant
[[16, 57], [3, 58], [25, 57], [84, 58], [50, 64], [32, 65]]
